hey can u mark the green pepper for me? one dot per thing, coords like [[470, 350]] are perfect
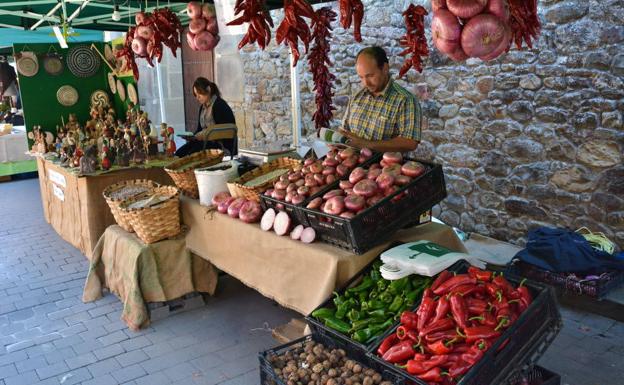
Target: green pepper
[[365, 335], [375, 274], [373, 294], [397, 286], [338, 325], [338, 300], [360, 324], [354, 315], [386, 296], [344, 307], [403, 307], [382, 284], [323, 313], [411, 297], [375, 304], [396, 304], [379, 314], [366, 283], [362, 296]]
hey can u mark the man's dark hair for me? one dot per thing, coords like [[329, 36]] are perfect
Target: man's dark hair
[[376, 53], [203, 86]]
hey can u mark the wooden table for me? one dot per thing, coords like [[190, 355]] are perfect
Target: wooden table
[[74, 205]]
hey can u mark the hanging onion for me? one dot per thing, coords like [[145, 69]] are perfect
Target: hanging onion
[[438, 4], [499, 8], [197, 25], [458, 54], [466, 8], [482, 35], [503, 46], [445, 25]]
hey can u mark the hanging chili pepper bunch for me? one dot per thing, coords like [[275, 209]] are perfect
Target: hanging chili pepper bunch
[[294, 28], [458, 320], [259, 20], [146, 39], [414, 40], [319, 66], [524, 21], [352, 11]]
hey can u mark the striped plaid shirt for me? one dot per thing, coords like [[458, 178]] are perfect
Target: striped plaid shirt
[[396, 112]]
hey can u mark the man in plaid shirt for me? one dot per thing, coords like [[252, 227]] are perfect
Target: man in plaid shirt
[[382, 116]]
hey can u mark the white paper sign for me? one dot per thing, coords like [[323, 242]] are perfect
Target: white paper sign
[[58, 192], [57, 178]]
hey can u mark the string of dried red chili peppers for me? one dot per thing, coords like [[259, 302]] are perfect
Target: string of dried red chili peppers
[[259, 19], [414, 40], [352, 11], [294, 27], [524, 22], [319, 66]]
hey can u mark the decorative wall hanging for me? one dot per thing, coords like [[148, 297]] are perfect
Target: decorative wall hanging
[[112, 83], [67, 96], [108, 53], [52, 62], [132, 94], [99, 98], [121, 90], [82, 61], [27, 63]]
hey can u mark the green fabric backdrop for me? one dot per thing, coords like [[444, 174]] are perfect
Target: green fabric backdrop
[[38, 92]]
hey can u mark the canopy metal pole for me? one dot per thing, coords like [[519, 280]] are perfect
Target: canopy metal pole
[[295, 102]]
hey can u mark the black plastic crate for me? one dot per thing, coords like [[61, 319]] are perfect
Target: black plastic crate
[[377, 223], [570, 282], [518, 349], [536, 376], [297, 216], [269, 377]]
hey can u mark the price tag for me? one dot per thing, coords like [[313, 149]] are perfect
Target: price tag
[[58, 192], [57, 178]]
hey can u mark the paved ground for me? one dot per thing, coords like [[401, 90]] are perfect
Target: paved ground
[[48, 336]]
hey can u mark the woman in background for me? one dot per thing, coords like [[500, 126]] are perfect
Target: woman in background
[[213, 111]]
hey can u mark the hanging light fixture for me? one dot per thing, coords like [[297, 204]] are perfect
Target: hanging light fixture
[[116, 15]]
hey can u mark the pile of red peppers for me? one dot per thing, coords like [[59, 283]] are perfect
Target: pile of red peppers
[[459, 319]]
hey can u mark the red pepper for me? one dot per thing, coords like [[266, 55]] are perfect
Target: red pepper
[[434, 375], [525, 296], [442, 277], [476, 306], [418, 367], [486, 319], [480, 275], [460, 368], [401, 332], [453, 282], [441, 346], [442, 308], [425, 311], [420, 357], [494, 291], [413, 335], [461, 348], [503, 284], [437, 326], [402, 351], [409, 319], [459, 311], [476, 352], [387, 343], [427, 293], [468, 289], [447, 334], [477, 333]]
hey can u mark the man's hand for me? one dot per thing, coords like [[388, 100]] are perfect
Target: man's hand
[[354, 140], [395, 144]]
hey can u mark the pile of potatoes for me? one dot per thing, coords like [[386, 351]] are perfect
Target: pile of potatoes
[[311, 363]]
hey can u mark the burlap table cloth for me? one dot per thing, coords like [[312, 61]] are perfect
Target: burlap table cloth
[[296, 275], [138, 273]]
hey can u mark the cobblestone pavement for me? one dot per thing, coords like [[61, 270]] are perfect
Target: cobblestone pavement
[[48, 336]]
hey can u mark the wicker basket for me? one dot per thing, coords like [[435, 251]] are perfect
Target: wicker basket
[[157, 222], [118, 192], [237, 186], [182, 171]]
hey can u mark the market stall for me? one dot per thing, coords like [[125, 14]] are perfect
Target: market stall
[[74, 204]]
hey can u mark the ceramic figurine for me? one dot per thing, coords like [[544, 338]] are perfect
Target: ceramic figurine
[[169, 145], [88, 162], [106, 163], [123, 153], [75, 162], [64, 156], [138, 153]]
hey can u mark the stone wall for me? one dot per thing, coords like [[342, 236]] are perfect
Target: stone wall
[[533, 138]]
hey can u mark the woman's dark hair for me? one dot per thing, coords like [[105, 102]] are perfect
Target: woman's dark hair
[[7, 74], [205, 86], [376, 53]]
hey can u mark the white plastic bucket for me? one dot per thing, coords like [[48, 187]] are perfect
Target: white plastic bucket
[[212, 180]]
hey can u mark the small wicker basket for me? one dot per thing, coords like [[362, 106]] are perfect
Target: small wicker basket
[[239, 190], [153, 223], [182, 171], [118, 192]]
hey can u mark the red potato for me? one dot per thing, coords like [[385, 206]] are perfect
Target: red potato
[[355, 202], [351, 162], [310, 182], [314, 190], [316, 168], [305, 170], [366, 188], [345, 184], [334, 205], [392, 157], [330, 162], [347, 214], [333, 193], [329, 179], [412, 169], [233, 209], [220, 197], [308, 162], [291, 187], [342, 170], [281, 185], [390, 190], [320, 179], [269, 192], [315, 203], [250, 212], [385, 180], [279, 194], [383, 163], [333, 152], [300, 182], [347, 153], [374, 166], [357, 175], [362, 159], [282, 223], [402, 180], [283, 177], [392, 169], [303, 190], [329, 170], [266, 223], [373, 174], [367, 152], [373, 200], [308, 235], [289, 195], [298, 199], [349, 191], [224, 204], [295, 176], [296, 232]]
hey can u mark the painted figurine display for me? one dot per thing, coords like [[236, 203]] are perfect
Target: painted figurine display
[[169, 145], [106, 163], [88, 162]]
